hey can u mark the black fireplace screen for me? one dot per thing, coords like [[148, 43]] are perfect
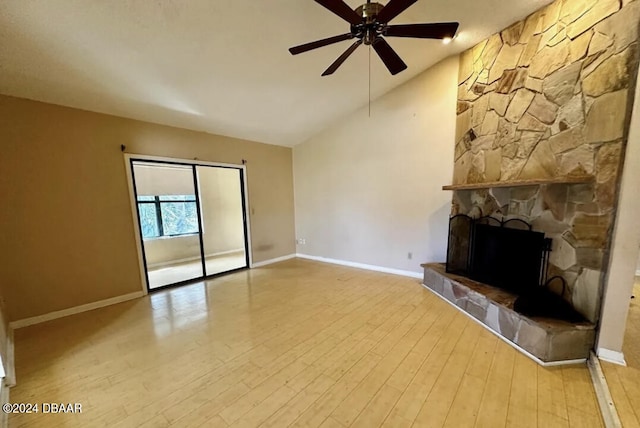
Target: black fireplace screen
[[505, 254]]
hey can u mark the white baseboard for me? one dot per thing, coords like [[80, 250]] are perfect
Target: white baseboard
[[507, 341], [603, 394], [76, 310], [610, 356], [272, 261], [362, 266], [192, 259]]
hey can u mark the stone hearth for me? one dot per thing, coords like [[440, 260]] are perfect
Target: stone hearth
[[547, 339]]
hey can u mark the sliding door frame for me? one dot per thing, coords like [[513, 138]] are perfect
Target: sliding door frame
[[129, 158]]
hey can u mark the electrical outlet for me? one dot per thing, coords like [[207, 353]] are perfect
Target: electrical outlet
[[410, 256], [301, 241]]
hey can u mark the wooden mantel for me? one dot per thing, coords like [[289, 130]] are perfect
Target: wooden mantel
[[576, 179]]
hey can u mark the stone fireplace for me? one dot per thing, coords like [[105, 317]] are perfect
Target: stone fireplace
[[579, 236], [542, 122]]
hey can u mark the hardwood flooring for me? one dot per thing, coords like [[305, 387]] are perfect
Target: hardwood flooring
[[624, 382], [299, 344]]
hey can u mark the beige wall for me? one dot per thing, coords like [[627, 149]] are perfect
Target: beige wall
[[368, 189], [67, 230]]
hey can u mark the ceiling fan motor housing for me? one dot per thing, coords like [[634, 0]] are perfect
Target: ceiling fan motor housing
[[370, 28]]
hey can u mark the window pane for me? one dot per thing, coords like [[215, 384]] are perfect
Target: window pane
[[146, 198], [177, 197], [148, 220], [179, 218]]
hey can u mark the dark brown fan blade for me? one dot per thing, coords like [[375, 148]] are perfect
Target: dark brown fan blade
[[440, 30], [319, 43], [337, 63], [390, 58], [341, 9], [393, 9]]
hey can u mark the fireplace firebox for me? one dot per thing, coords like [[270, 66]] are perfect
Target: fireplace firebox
[[511, 256], [506, 254], [508, 258]]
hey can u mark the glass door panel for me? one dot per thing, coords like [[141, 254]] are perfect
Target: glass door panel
[[222, 211], [168, 214]]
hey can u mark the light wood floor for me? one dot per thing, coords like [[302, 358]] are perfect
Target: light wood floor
[[298, 343], [624, 382]]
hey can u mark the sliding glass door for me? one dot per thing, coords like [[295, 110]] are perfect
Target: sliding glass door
[[191, 220]]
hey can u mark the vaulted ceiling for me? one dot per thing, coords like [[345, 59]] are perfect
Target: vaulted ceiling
[[219, 66]]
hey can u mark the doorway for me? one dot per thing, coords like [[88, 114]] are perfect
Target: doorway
[[192, 221]]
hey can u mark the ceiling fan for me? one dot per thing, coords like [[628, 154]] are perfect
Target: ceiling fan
[[370, 24]]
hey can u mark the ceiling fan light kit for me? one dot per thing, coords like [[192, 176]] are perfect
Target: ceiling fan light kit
[[370, 25]]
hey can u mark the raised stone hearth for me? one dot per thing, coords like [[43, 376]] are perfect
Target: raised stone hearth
[[547, 339]]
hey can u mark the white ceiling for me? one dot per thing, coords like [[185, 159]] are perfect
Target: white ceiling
[[219, 66]]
